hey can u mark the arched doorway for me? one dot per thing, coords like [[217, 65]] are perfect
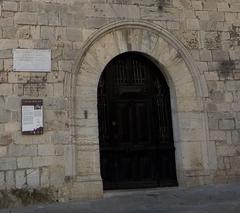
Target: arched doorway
[[135, 125]]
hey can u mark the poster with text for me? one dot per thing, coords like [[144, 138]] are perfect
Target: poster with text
[[32, 117]]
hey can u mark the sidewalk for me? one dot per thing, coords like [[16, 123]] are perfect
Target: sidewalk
[[206, 199]]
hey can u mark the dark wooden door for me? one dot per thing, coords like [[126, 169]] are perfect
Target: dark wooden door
[[135, 128]]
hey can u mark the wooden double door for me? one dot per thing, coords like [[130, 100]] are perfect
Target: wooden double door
[[135, 128]]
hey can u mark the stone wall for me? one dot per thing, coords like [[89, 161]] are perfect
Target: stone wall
[[209, 29]]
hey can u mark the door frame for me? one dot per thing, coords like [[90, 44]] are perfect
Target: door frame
[[195, 155]]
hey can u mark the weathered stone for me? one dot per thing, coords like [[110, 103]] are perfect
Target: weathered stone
[[26, 18], [47, 33], [44, 177], [10, 180], [29, 6], [8, 164], [2, 180], [8, 44], [33, 178], [24, 162], [74, 34], [219, 55], [217, 135], [3, 151], [9, 32], [45, 149], [20, 179], [56, 176], [205, 55], [10, 6], [193, 24], [22, 150]]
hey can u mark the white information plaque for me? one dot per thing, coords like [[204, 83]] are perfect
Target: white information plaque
[[32, 60], [32, 117]]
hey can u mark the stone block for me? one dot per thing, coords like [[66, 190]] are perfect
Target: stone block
[[211, 76], [226, 124], [8, 163], [59, 150], [6, 139], [22, 150], [60, 33], [10, 6], [220, 55], [35, 32], [47, 33], [205, 55], [3, 151], [8, 65], [43, 161], [74, 34], [226, 150], [234, 161], [87, 162], [69, 159], [236, 106], [218, 135], [223, 6], [1, 64], [173, 25], [29, 6], [54, 19], [231, 17], [61, 138], [192, 155], [69, 54], [42, 19], [236, 137], [20, 179], [111, 11], [203, 15], [87, 190], [13, 103], [56, 103], [44, 177], [217, 16], [26, 44], [56, 176], [46, 149], [24, 162], [9, 32], [65, 65], [232, 85], [2, 180], [193, 24], [235, 53], [228, 97], [33, 178], [26, 18], [8, 44], [10, 179], [197, 5]]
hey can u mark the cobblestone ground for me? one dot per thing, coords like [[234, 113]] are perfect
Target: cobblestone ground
[[206, 199]]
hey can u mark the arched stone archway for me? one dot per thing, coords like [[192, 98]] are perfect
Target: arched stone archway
[[187, 89]]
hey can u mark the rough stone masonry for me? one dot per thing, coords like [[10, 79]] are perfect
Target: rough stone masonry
[[66, 156]]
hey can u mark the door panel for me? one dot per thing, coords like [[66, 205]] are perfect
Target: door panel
[[136, 143]]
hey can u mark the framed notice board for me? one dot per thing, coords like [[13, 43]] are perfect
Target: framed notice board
[[32, 116]]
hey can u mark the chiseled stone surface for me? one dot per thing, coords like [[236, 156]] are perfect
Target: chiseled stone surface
[[207, 126]]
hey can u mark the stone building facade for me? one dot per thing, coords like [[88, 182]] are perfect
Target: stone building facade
[[195, 42]]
